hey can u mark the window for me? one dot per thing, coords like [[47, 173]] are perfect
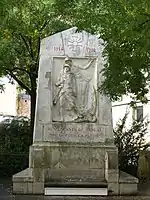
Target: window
[[139, 113]]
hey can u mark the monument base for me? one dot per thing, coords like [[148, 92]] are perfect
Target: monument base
[[23, 183], [73, 164]]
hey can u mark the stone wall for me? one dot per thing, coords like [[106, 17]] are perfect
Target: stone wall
[[144, 165]]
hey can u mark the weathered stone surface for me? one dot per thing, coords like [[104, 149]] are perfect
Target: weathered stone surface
[[128, 189], [113, 188], [97, 158], [127, 178], [38, 188], [127, 184], [113, 175], [36, 159], [113, 158], [83, 102], [144, 164], [24, 176], [20, 188], [38, 174], [75, 174], [30, 188], [50, 156], [73, 157], [75, 132]]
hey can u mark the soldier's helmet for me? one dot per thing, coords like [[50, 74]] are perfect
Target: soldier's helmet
[[68, 61]]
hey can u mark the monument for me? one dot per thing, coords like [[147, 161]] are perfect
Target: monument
[[73, 135]]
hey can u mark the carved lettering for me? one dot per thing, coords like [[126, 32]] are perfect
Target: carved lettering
[[74, 129], [88, 49], [75, 133], [91, 49], [58, 48]]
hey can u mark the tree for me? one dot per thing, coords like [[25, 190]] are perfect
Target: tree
[[130, 142], [125, 27], [23, 24], [16, 137]]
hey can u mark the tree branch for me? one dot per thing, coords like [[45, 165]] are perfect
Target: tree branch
[[44, 25], [30, 46], [18, 68], [26, 44], [38, 48], [143, 23], [19, 82], [146, 14], [17, 51]]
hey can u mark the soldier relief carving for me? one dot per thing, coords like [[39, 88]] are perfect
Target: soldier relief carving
[[71, 93]]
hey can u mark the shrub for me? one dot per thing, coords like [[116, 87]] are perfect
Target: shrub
[[15, 139], [130, 141]]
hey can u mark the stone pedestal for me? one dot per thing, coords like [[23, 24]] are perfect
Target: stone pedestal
[[69, 162], [73, 135], [58, 164]]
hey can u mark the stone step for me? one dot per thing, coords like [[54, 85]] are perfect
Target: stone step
[[78, 184], [73, 191]]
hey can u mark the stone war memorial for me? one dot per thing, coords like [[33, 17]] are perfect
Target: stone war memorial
[[73, 149]]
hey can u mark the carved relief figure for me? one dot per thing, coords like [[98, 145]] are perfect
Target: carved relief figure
[[67, 92], [66, 88]]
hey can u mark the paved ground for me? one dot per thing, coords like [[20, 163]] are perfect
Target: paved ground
[[6, 194]]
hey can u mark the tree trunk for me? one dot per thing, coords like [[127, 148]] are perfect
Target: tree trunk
[[33, 105], [33, 77]]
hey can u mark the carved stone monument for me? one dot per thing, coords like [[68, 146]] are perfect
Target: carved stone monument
[[73, 134]]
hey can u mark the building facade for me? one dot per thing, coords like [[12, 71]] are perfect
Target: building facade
[[23, 104], [8, 98], [141, 112], [13, 102]]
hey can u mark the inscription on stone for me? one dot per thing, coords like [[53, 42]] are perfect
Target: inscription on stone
[[74, 133], [87, 48], [73, 129], [58, 48]]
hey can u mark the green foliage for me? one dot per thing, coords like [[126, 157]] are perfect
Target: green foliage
[[130, 142], [125, 27], [23, 25], [16, 137]]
